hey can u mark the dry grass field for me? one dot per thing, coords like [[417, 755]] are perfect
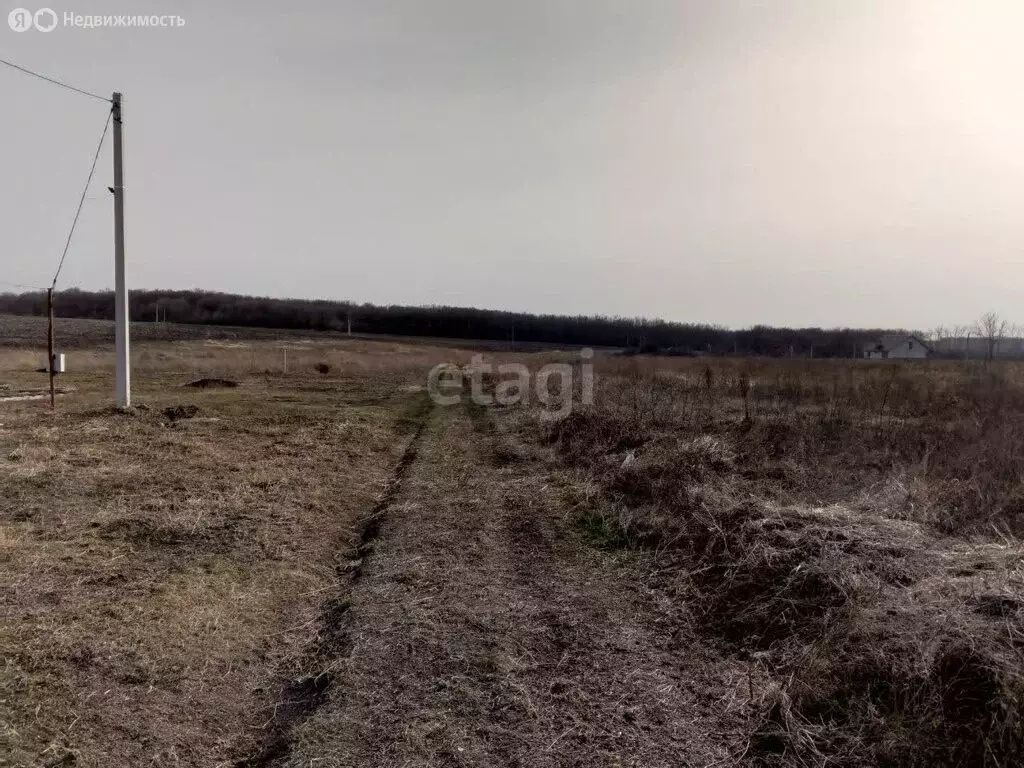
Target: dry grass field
[[162, 571], [720, 562], [80, 333], [847, 530]]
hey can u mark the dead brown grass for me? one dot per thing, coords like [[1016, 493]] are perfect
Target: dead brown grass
[[175, 580], [850, 529], [163, 571], [480, 633]]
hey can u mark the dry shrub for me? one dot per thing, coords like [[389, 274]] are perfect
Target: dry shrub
[[768, 579], [588, 433], [761, 574], [906, 686], [660, 471]]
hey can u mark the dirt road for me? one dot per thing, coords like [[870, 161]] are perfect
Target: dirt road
[[482, 631]]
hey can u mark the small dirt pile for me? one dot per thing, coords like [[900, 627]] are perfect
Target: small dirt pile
[[212, 384], [179, 412]]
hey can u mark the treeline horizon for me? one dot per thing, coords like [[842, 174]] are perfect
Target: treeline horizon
[[198, 307]]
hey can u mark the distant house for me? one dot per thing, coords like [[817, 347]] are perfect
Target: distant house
[[898, 346]]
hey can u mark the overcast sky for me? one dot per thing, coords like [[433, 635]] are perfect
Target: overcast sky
[[797, 162]]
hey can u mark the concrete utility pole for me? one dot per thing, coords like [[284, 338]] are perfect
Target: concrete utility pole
[[124, 388]]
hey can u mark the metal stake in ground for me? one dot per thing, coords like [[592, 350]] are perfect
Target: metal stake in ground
[[124, 392]]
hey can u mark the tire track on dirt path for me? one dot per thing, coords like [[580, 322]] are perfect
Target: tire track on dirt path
[[483, 633], [306, 692]]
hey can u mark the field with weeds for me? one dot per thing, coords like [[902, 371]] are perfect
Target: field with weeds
[[849, 530], [287, 555]]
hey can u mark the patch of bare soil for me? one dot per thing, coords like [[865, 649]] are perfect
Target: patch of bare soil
[[179, 412], [481, 631], [212, 384]]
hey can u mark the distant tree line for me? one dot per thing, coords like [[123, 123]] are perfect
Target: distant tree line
[[651, 336], [991, 336]]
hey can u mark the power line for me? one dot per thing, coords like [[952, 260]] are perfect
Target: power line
[[55, 82], [81, 202]]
